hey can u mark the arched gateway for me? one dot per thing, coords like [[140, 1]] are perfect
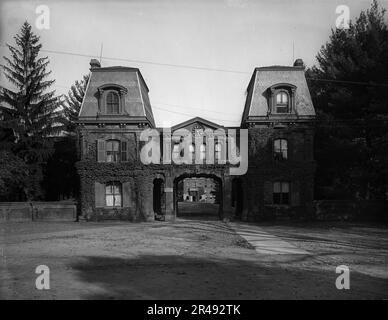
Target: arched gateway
[[198, 195], [123, 176]]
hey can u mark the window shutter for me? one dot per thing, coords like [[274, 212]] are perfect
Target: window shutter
[[99, 194], [268, 192], [124, 151], [295, 199], [101, 150], [127, 197]]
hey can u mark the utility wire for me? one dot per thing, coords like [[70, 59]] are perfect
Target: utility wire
[[193, 108], [148, 62], [203, 68], [191, 115], [350, 82]]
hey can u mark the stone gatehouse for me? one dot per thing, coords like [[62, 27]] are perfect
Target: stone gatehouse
[[116, 184]]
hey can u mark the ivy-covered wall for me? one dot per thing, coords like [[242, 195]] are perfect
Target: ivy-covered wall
[[137, 179], [264, 170]]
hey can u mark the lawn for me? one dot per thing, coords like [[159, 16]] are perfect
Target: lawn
[[189, 259]]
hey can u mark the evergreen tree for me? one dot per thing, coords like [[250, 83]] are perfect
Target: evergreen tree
[[73, 101], [350, 91], [13, 171], [27, 108]]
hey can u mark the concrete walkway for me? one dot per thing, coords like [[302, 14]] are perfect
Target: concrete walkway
[[264, 242]]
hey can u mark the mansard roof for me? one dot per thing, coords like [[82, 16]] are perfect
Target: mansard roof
[[137, 106], [265, 78]]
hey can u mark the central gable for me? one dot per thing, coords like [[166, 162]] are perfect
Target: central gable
[[196, 123]]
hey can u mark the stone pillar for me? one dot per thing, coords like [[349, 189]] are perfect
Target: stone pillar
[[227, 211], [145, 210], [169, 192]]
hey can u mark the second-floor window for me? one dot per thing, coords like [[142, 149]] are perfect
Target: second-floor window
[[202, 150], [280, 149], [218, 151], [113, 151], [112, 103]]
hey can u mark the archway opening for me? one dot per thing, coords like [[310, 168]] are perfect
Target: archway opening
[[237, 197], [158, 198], [198, 196]]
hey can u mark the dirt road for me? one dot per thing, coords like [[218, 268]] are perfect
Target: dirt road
[[188, 259]]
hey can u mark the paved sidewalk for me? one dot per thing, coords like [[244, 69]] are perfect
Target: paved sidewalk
[[264, 242]]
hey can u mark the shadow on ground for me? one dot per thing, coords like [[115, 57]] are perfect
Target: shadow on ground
[[180, 277]]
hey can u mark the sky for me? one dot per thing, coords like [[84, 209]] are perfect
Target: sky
[[196, 57]]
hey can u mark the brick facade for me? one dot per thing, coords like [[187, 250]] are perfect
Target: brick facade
[[125, 188]]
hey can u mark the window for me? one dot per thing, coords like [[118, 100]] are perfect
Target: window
[[281, 192], [218, 151], [112, 103], [176, 152], [192, 151], [202, 150], [280, 149], [113, 194], [281, 102], [112, 151]]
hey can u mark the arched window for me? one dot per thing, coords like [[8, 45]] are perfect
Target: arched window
[[217, 149], [112, 103], [113, 194], [176, 152], [280, 149], [192, 151], [202, 150], [113, 151], [282, 102]]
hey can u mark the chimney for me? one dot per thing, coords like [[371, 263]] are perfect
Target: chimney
[[299, 63], [94, 63]]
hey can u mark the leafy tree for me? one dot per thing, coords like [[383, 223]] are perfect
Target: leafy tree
[[73, 101], [350, 91], [28, 109]]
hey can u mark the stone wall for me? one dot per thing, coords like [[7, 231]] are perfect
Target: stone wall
[[15, 211], [350, 210], [38, 211]]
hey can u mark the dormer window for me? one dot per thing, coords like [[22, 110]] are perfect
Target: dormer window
[[112, 103], [281, 98], [282, 102], [111, 99]]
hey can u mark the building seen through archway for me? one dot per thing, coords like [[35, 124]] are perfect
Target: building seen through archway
[[198, 196]]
